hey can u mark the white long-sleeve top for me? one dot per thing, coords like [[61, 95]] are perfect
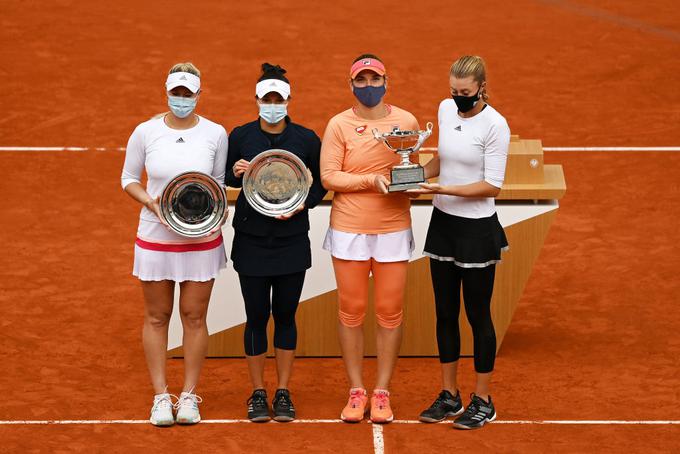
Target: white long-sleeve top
[[470, 150], [165, 153]]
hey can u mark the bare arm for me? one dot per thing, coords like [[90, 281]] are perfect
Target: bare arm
[[478, 189], [137, 192], [432, 168]]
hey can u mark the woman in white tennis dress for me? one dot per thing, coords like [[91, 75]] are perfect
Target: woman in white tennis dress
[[165, 146]]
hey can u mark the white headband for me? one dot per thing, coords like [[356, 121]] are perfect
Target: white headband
[[182, 79], [269, 85]]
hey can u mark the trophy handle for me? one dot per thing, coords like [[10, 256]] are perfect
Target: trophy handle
[[381, 138], [423, 135]]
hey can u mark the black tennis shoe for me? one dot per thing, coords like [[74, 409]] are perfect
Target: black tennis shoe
[[258, 409], [444, 405], [282, 406], [476, 414]]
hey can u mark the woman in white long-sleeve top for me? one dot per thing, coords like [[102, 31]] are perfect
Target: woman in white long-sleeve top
[[465, 239], [165, 146]]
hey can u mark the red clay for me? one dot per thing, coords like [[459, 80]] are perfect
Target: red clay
[[86, 74], [596, 332]]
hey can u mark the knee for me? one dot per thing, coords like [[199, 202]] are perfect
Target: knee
[[482, 325], [352, 308], [193, 319], [485, 334], [352, 315], [284, 314], [389, 310], [158, 319], [446, 314], [284, 320], [285, 337], [390, 319], [257, 322]]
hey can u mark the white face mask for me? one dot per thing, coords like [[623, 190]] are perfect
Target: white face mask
[[273, 113], [181, 106]]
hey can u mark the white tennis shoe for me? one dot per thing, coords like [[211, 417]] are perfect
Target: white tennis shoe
[[187, 408], [161, 412]]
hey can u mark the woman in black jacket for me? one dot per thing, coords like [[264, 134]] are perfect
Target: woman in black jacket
[[271, 255]]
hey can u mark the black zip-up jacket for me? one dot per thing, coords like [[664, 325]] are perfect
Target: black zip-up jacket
[[246, 142]]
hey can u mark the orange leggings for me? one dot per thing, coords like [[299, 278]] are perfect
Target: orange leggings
[[389, 282]]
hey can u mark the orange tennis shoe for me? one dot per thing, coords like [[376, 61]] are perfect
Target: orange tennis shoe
[[355, 409], [381, 412]]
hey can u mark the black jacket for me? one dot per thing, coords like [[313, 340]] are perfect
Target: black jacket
[[246, 142]]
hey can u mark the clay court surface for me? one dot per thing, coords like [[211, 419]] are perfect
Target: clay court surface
[[594, 338]]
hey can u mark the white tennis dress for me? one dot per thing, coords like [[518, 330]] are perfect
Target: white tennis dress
[[161, 254]]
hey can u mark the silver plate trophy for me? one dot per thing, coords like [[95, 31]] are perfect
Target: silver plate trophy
[[276, 182], [405, 175], [193, 204]]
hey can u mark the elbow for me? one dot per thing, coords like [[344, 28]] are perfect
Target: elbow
[[494, 187], [125, 182], [326, 181]]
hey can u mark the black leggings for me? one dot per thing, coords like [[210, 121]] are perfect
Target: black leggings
[[278, 295], [477, 289]]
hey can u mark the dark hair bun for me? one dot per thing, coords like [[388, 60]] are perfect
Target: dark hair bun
[[270, 71]]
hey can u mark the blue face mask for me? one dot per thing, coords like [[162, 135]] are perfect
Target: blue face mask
[[273, 113], [369, 96], [181, 106]]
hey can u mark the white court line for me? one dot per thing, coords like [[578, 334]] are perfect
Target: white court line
[[611, 148], [62, 148], [339, 421], [566, 422], [592, 149], [378, 439], [422, 149]]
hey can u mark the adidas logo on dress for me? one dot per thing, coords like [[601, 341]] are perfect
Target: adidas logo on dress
[[180, 140], [458, 128]]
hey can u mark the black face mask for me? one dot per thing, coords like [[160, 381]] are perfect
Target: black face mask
[[466, 103]]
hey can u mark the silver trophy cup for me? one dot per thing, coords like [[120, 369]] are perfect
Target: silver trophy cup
[[405, 175], [193, 204], [276, 182]]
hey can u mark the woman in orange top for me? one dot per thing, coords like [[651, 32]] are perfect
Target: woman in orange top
[[370, 231]]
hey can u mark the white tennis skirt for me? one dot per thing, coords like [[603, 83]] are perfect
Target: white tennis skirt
[[382, 247], [199, 266]]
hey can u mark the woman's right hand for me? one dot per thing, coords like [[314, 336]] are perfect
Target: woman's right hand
[[381, 182], [240, 167], [154, 206]]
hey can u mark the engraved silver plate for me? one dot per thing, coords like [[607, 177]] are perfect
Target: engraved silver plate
[[193, 204], [276, 182]]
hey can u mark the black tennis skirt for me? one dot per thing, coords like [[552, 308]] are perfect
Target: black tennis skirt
[[469, 243], [270, 256]]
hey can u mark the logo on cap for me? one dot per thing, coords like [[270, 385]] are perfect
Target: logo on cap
[[273, 84], [360, 130], [183, 77], [366, 62]]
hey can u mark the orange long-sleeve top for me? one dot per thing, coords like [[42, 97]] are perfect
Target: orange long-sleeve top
[[350, 159]]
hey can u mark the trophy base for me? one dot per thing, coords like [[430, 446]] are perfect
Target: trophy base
[[406, 178], [402, 187]]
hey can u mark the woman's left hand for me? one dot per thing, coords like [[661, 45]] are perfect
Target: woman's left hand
[[285, 217], [427, 188]]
